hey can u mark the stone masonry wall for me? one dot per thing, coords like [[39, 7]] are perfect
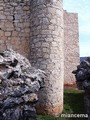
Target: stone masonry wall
[[15, 25], [34, 28], [71, 47], [46, 37]]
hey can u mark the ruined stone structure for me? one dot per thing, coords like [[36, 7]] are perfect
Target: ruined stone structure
[[14, 25], [46, 45], [35, 29], [71, 47]]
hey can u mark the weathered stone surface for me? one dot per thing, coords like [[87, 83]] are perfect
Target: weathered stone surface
[[71, 47], [46, 45], [19, 84], [82, 75], [15, 25], [35, 28]]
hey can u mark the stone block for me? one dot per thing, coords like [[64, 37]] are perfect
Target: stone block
[[7, 34], [1, 33]]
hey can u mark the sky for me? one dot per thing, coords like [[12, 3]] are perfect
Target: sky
[[82, 7]]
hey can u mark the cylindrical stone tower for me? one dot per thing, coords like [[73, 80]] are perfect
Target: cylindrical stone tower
[[46, 44]]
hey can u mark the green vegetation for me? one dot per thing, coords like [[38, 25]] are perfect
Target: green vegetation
[[73, 104]]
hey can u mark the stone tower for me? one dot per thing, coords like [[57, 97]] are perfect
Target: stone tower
[[46, 47], [34, 28], [71, 47]]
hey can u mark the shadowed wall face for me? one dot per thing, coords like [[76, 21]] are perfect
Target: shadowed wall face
[[71, 47], [14, 25], [46, 44]]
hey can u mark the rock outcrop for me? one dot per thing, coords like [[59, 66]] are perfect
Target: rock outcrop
[[19, 85], [82, 75]]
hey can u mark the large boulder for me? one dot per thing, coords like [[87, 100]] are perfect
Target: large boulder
[[82, 75], [19, 86]]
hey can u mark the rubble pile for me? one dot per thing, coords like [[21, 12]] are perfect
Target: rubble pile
[[19, 86]]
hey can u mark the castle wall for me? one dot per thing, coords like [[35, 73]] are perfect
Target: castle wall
[[71, 47], [34, 28], [46, 43], [15, 25]]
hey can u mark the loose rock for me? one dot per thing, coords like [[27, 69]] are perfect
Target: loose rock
[[82, 75], [19, 84]]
